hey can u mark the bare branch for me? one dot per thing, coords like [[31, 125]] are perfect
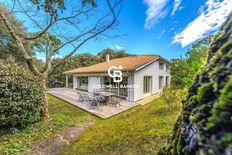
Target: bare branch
[[52, 21], [98, 31]]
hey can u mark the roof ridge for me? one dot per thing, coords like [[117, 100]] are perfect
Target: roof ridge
[[130, 63]]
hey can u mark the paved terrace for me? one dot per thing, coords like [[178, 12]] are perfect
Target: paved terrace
[[71, 96]]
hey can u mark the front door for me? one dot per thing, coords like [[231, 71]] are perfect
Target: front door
[[147, 85]]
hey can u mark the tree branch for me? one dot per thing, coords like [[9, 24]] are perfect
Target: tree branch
[[22, 50], [115, 16]]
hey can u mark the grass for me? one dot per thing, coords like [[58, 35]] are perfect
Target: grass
[[62, 116], [141, 130]]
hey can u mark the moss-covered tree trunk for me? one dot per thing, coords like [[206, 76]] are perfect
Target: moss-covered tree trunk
[[205, 124]]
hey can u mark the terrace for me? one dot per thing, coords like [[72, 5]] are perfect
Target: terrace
[[75, 97]]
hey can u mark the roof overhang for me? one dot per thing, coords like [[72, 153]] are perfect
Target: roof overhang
[[159, 58], [124, 73]]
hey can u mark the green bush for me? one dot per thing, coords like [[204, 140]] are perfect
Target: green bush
[[21, 96], [172, 97]]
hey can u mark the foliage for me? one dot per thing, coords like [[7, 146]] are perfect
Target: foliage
[[73, 62], [101, 56], [53, 6], [140, 130], [172, 97], [21, 96], [62, 116], [44, 43], [184, 69], [8, 47]]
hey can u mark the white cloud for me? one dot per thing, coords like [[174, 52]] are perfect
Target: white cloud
[[114, 47], [118, 47], [208, 22], [156, 11], [176, 6], [41, 58]]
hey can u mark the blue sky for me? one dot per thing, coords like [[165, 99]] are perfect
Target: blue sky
[[170, 21], [164, 27]]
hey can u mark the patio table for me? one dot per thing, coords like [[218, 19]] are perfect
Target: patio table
[[106, 94]]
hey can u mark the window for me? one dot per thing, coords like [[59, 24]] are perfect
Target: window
[[83, 81], [147, 84], [161, 66], [106, 80], [167, 68], [161, 79], [167, 80]]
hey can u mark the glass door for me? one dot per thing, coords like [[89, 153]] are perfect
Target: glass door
[[147, 84]]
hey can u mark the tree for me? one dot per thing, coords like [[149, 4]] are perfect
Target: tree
[[204, 125], [73, 27], [72, 62], [101, 56], [8, 47], [184, 69]]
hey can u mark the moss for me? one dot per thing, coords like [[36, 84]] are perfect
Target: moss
[[221, 114], [229, 54], [227, 139], [216, 57], [205, 93]]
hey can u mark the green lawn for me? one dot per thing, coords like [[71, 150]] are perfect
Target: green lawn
[[141, 130], [62, 116]]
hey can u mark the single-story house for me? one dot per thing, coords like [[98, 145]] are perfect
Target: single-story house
[[141, 76]]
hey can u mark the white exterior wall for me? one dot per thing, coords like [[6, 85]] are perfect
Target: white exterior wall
[[74, 82], [93, 81], [130, 93], [149, 70]]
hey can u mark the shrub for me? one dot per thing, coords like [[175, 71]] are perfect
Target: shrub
[[172, 96], [21, 96]]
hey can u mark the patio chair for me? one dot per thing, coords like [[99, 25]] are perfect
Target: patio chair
[[115, 101], [93, 102], [82, 97], [101, 100]]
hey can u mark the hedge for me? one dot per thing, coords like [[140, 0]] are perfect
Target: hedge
[[21, 96]]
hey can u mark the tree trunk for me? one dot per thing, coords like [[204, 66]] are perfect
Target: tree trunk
[[45, 108]]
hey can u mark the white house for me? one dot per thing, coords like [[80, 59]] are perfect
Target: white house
[[142, 76]]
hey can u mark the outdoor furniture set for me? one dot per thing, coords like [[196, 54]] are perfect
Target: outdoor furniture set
[[99, 99]]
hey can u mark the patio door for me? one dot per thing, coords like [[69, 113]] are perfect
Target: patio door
[[147, 85], [83, 84]]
